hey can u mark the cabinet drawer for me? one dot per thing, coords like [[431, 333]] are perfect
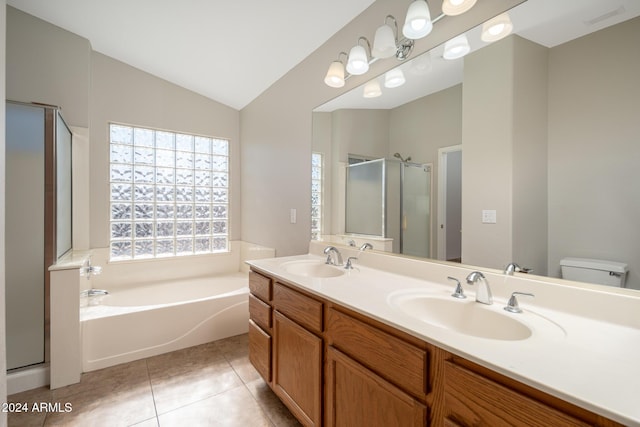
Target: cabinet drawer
[[260, 350], [300, 308], [260, 312], [471, 399], [393, 359], [260, 286], [356, 396]]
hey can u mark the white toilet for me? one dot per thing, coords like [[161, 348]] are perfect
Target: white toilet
[[598, 271]]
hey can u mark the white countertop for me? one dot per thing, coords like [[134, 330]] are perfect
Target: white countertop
[[593, 363]]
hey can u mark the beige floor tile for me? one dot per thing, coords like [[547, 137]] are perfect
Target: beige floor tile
[[184, 361], [27, 417], [171, 392], [101, 407], [235, 407], [113, 379], [212, 384], [277, 412], [153, 422]]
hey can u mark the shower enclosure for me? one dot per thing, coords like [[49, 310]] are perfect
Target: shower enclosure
[[391, 199], [38, 223]]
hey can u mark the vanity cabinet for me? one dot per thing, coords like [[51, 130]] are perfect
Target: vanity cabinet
[[298, 353], [260, 324], [334, 367], [373, 378], [474, 395]]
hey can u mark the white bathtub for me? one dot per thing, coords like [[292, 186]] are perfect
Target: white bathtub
[[141, 321]]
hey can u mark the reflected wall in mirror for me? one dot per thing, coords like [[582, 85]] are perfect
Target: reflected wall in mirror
[[548, 123]]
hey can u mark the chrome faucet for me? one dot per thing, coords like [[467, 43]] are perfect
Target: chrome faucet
[[483, 294], [94, 292], [366, 246], [349, 264], [512, 267], [333, 255]]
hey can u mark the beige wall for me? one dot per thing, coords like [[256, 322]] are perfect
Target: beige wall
[[49, 65], [124, 94], [504, 155], [276, 127], [594, 147], [94, 89]]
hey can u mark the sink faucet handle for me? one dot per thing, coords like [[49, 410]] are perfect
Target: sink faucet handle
[[512, 305], [349, 264], [459, 292], [512, 267]]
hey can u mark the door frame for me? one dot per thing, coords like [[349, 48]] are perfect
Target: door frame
[[442, 199]]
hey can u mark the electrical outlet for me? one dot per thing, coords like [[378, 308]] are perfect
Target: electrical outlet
[[293, 216], [488, 216]]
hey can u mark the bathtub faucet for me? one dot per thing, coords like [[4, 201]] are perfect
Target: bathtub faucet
[[94, 292], [88, 270]]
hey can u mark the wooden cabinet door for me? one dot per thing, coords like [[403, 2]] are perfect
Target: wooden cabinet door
[[297, 370], [471, 399], [357, 397], [260, 350]]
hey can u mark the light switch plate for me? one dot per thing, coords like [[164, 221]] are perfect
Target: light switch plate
[[293, 216], [488, 216]]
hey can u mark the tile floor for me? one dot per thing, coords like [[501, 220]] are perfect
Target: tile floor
[[213, 384]]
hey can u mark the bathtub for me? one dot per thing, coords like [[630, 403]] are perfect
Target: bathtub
[[135, 322]]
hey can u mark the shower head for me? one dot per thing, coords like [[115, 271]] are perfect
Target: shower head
[[400, 157]]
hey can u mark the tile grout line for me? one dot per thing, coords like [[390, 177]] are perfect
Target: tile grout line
[[153, 397]]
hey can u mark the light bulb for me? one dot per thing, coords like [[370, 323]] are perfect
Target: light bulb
[[457, 7], [335, 75], [418, 22], [358, 62], [497, 28], [456, 48]]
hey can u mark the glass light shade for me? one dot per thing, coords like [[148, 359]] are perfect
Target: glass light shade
[[384, 43], [358, 62], [496, 28], [457, 7], [418, 22], [456, 48], [421, 65], [335, 75], [394, 78], [372, 89]]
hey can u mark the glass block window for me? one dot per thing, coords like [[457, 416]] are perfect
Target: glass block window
[[169, 193], [316, 195]]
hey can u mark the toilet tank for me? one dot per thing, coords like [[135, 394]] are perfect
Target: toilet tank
[[610, 273]]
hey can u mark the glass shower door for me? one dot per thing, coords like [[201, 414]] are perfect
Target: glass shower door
[[24, 235], [416, 213]]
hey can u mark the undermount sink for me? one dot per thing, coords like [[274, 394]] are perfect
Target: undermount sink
[[312, 268], [463, 316]]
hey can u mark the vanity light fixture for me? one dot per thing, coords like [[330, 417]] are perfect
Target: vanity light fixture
[[421, 65], [418, 22], [372, 89], [335, 74], [385, 40], [386, 43], [456, 7], [394, 78], [497, 28], [358, 62], [456, 48]]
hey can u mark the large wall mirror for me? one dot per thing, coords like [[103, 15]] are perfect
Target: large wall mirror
[[545, 122]]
